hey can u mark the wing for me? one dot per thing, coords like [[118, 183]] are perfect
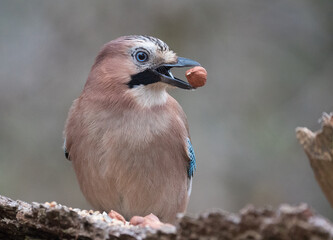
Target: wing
[[192, 166], [65, 150]]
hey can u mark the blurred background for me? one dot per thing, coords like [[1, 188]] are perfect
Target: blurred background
[[270, 69]]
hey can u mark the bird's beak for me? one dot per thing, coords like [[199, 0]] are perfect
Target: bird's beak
[[167, 77]]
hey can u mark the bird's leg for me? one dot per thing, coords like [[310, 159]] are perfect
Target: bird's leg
[[116, 215], [150, 220]]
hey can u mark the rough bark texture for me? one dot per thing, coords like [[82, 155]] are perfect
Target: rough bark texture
[[318, 147], [20, 220]]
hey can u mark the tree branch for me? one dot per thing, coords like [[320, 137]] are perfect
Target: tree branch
[[20, 220], [318, 147]]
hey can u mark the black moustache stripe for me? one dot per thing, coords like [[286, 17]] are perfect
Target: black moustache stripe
[[144, 78]]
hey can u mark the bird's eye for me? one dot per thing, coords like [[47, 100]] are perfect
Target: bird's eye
[[141, 56]]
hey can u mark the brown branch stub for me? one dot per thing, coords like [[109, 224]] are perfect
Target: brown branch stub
[[318, 147], [20, 220]]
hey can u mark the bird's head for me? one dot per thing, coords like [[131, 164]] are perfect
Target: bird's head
[[138, 63]]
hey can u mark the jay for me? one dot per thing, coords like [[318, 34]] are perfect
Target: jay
[[127, 138]]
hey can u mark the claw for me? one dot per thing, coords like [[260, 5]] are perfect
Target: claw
[[150, 220], [115, 215]]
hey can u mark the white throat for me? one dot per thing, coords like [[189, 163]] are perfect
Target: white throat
[[151, 95]]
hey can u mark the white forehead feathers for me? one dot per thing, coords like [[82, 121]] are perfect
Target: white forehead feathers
[[149, 42]]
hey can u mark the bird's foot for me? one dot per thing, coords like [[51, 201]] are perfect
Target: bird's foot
[[116, 215], [150, 220]]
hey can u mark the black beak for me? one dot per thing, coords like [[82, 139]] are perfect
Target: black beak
[[167, 77]]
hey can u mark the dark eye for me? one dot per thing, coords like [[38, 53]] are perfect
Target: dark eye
[[141, 56]]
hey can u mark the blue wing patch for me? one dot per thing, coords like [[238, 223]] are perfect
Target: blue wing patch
[[192, 164]]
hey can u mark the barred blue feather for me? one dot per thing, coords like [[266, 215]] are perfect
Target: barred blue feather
[[192, 164]]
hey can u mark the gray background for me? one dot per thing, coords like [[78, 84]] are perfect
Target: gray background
[[270, 68]]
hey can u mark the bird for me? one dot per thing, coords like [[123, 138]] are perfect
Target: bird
[[127, 137]]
